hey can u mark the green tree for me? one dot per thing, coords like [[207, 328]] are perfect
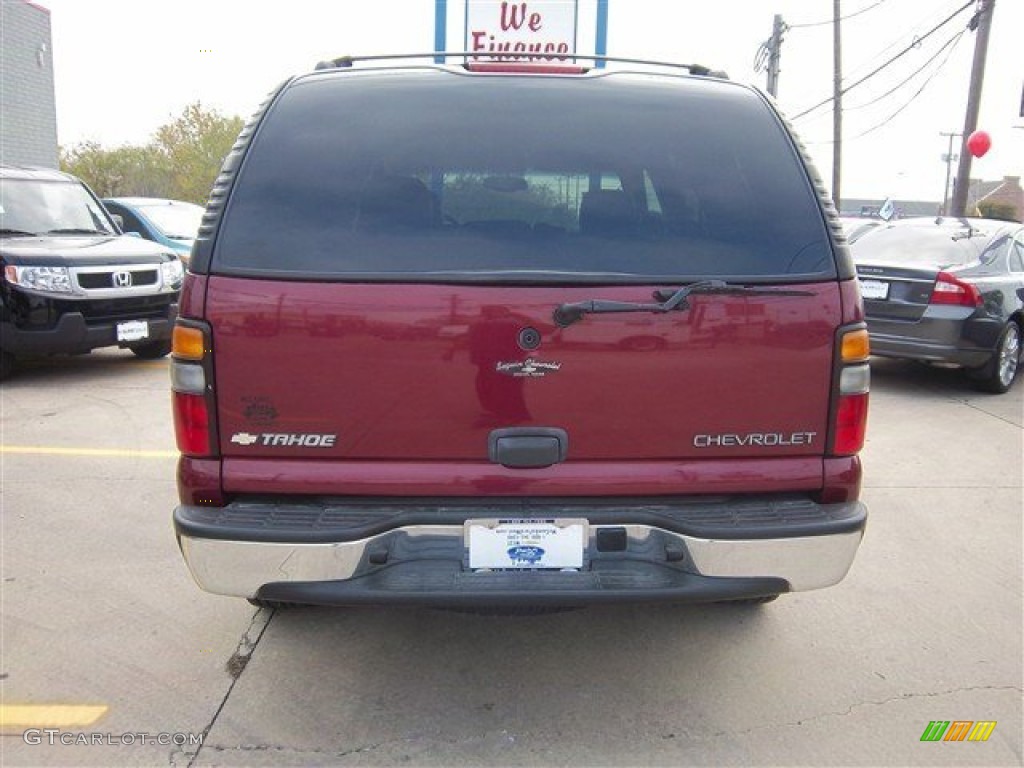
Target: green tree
[[180, 162], [194, 146], [127, 170]]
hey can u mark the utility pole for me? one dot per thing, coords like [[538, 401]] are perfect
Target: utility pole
[[948, 159], [837, 106], [774, 54], [983, 18]]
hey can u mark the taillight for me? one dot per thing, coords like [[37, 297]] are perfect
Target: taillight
[[950, 289], [191, 424], [192, 427], [853, 381]]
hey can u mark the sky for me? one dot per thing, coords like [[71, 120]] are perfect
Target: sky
[[122, 68]]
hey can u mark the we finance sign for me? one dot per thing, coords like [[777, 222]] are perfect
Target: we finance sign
[[543, 31], [518, 31]]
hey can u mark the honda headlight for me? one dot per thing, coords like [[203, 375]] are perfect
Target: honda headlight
[[172, 273], [48, 279]]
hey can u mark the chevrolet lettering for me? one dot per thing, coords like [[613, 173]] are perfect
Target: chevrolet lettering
[[765, 439]]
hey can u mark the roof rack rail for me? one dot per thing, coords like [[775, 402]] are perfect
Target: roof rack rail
[[506, 57]]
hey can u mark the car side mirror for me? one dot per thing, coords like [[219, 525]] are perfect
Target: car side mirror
[[119, 220]]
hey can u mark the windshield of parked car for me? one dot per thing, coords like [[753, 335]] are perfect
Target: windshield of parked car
[[50, 207], [178, 221], [438, 174]]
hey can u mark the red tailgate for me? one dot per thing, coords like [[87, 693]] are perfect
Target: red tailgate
[[426, 372]]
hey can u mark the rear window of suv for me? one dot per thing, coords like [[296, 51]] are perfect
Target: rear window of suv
[[433, 175]]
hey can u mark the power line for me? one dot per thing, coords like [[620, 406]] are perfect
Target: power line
[[917, 41], [906, 104], [764, 51], [763, 54], [954, 40], [911, 100], [929, 18], [832, 21], [898, 56]]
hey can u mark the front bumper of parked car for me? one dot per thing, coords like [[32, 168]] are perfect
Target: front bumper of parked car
[[75, 332], [322, 553]]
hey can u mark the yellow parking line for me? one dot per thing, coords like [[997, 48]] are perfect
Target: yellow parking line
[[50, 716], [42, 450]]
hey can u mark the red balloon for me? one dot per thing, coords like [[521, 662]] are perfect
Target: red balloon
[[979, 143]]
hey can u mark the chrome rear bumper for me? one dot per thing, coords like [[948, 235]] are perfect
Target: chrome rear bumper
[[427, 563]]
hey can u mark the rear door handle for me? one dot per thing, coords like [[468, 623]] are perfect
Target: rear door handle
[[528, 447]]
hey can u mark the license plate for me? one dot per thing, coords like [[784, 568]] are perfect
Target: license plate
[[133, 330], [524, 544], [874, 289]]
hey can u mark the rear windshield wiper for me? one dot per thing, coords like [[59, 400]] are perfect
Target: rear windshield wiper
[[670, 299], [77, 231]]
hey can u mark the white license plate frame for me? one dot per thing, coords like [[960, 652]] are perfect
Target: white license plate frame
[[877, 290], [132, 330], [517, 544]]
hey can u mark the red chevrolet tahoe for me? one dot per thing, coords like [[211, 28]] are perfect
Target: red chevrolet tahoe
[[518, 338]]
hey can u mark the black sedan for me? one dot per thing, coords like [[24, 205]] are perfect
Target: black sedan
[[946, 291]]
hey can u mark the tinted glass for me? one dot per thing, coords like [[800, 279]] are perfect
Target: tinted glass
[[131, 221], [440, 175]]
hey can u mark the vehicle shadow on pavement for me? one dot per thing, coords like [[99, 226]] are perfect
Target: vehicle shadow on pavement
[[414, 684], [899, 384], [906, 375], [87, 368], [893, 375]]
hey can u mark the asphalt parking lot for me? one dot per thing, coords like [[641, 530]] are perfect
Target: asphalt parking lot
[[107, 643]]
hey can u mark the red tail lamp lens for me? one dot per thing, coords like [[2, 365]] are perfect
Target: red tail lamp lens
[[191, 424], [951, 290], [851, 424]]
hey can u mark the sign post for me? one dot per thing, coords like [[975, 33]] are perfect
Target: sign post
[[440, 28]]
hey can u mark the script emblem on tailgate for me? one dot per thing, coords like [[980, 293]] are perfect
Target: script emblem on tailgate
[[285, 439]]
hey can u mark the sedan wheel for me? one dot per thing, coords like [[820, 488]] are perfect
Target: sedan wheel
[[997, 375]]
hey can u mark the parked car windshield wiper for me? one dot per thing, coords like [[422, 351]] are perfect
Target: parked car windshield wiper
[[16, 232], [669, 299], [77, 231]]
